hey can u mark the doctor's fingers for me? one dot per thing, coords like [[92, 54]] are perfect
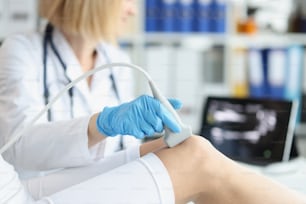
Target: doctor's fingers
[[168, 119], [139, 134], [176, 104], [155, 123], [147, 129]]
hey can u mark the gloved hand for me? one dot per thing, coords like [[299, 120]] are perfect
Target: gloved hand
[[142, 116]]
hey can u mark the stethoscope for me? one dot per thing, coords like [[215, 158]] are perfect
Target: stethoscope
[[48, 40]]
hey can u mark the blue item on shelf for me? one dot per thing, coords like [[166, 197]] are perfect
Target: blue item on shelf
[[152, 14], [217, 16], [276, 72], [294, 74], [257, 85], [186, 15], [169, 15], [202, 8], [265, 83]]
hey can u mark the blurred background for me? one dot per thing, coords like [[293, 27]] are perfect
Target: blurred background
[[199, 48]]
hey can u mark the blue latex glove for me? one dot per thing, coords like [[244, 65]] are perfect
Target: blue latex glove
[[141, 117]]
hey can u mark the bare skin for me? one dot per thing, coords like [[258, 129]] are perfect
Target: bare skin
[[94, 136], [207, 176], [201, 174]]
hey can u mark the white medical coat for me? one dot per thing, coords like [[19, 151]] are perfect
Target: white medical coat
[[11, 190], [63, 143]]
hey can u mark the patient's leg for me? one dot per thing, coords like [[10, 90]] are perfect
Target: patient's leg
[[200, 173], [193, 170], [188, 167]]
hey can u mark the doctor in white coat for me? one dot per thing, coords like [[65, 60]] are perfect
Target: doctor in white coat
[[157, 177], [35, 67]]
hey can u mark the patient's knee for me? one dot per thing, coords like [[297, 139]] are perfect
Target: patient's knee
[[197, 147], [196, 142]]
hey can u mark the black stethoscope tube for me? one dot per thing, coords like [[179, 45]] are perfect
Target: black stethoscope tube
[[48, 40]]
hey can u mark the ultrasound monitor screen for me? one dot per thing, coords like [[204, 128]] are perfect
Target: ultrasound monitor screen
[[247, 130]]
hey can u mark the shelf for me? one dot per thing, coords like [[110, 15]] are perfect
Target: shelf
[[171, 38], [219, 39], [268, 40], [179, 37], [215, 89]]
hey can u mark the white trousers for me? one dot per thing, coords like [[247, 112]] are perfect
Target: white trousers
[[144, 180]]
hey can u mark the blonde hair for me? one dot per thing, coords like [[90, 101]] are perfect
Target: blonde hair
[[95, 19]]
